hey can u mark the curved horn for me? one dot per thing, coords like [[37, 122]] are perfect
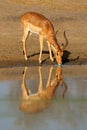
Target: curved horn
[[64, 46]]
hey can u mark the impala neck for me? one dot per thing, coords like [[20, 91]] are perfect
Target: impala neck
[[54, 43]]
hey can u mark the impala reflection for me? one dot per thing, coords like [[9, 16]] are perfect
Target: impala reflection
[[36, 102]]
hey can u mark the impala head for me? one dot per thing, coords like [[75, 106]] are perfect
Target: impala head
[[58, 57], [58, 51]]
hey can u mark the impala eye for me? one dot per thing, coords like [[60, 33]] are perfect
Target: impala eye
[[57, 53]]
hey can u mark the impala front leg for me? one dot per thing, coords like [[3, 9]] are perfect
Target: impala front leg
[[49, 47]]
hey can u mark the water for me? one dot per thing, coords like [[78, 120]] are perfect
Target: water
[[66, 109]]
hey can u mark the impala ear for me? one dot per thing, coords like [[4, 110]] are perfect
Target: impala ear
[[57, 53], [62, 47]]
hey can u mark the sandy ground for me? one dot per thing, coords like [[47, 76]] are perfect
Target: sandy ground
[[67, 15]]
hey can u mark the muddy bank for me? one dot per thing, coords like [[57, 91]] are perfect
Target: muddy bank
[[34, 62]]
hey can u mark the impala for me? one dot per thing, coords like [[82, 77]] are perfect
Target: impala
[[35, 102], [37, 23]]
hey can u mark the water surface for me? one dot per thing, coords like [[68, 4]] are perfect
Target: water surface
[[68, 112]]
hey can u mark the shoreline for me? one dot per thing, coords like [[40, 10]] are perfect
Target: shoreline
[[23, 63]]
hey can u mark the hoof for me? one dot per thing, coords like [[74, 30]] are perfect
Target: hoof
[[26, 58], [40, 62], [52, 59]]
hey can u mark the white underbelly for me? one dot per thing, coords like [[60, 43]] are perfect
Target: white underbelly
[[34, 29]]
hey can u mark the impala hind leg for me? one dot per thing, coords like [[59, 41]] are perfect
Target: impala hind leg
[[49, 47], [25, 34], [41, 47], [23, 85]]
